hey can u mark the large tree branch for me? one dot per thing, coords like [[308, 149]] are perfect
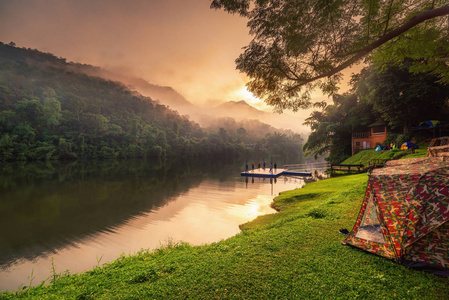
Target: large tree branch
[[414, 21]]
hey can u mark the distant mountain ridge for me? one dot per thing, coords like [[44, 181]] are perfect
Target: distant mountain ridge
[[240, 106], [166, 95], [241, 110], [48, 111]]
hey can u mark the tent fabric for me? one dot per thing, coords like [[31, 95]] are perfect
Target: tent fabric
[[408, 145], [439, 147], [429, 124], [379, 148], [405, 212], [441, 141], [415, 160]]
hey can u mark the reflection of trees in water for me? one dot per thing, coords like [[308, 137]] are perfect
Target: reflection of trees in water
[[46, 205]]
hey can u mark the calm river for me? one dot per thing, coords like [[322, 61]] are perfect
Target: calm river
[[77, 215]]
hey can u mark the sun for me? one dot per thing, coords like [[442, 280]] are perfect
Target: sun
[[248, 96], [242, 93]]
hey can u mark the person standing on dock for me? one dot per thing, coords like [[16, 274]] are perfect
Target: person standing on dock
[[271, 168], [258, 166], [264, 164], [252, 166], [246, 167], [275, 166]]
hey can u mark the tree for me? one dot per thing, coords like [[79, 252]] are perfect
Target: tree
[[52, 111], [332, 127], [401, 98], [241, 134], [394, 95], [31, 111], [299, 45]]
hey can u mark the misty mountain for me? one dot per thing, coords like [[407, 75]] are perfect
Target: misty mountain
[[241, 111], [241, 107], [165, 94], [207, 117], [51, 109]]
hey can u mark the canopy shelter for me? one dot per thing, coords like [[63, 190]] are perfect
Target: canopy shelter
[[429, 124], [405, 212], [434, 127]]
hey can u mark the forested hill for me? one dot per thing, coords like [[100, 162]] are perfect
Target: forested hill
[[50, 111]]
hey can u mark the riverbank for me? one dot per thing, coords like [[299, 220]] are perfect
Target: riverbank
[[296, 253]]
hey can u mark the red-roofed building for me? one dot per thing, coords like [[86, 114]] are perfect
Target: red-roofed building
[[376, 135]]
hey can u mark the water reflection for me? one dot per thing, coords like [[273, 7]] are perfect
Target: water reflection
[[46, 206], [81, 214], [283, 180]]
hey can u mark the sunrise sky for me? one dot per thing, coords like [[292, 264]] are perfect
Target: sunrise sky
[[177, 43]]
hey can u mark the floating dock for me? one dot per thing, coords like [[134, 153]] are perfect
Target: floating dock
[[265, 173]]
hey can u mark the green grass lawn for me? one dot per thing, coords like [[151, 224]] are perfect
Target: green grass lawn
[[364, 156], [294, 254]]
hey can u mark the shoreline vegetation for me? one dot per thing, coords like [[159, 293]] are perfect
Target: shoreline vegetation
[[293, 254]]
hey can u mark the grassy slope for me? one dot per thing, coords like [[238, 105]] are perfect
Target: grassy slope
[[295, 254], [364, 156]]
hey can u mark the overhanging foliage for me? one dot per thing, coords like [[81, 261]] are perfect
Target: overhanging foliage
[[299, 46]]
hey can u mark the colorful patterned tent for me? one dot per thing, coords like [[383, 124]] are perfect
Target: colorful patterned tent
[[405, 212]]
